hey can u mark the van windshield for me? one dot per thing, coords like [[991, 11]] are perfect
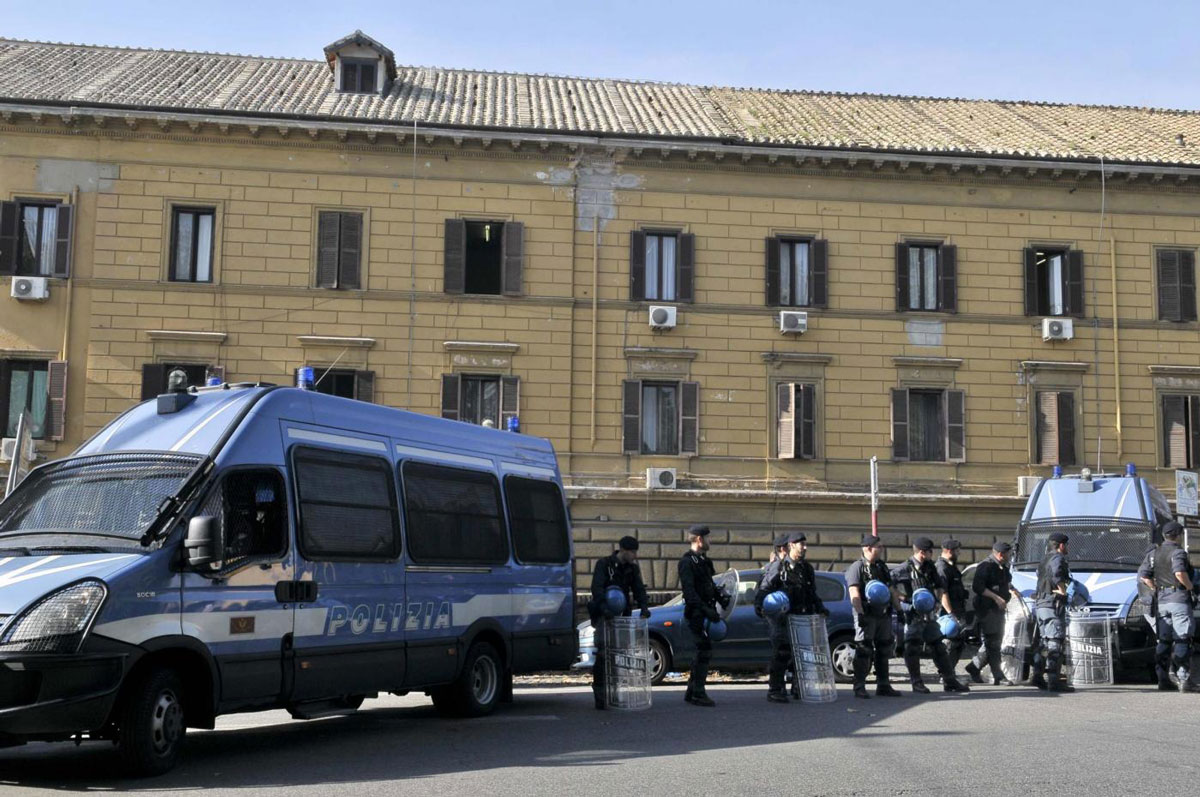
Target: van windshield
[[109, 495], [1094, 544]]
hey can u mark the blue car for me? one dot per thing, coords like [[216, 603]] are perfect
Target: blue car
[[747, 646]]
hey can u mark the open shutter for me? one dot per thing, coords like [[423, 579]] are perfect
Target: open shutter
[[637, 266], [62, 242], [1168, 285], [689, 418], [513, 245], [1074, 286], [454, 266], [1193, 459], [214, 372], [818, 273], [631, 416], [364, 386], [154, 378], [510, 399], [785, 420], [899, 423], [806, 420], [1066, 428], [956, 426], [1187, 286], [450, 396], [1032, 300], [686, 262], [327, 249], [902, 286], [1047, 428], [773, 245], [948, 278], [1175, 442], [350, 251], [9, 215], [56, 408]]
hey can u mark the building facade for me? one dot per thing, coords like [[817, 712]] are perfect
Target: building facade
[[718, 304]]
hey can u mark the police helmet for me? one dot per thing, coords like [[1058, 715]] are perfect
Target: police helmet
[[777, 603], [1078, 595], [878, 593], [716, 630], [924, 601], [614, 600], [949, 627]]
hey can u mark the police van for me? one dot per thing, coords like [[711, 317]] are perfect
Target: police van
[[246, 547]]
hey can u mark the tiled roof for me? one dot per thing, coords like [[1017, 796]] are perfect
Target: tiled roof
[[33, 72]]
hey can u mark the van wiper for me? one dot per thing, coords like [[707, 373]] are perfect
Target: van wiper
[[11, 551], [172, 504], [71, 549]]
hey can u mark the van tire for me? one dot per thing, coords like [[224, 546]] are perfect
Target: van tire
[[150, 723], [478, 687]]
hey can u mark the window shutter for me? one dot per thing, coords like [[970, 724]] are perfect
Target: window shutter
[[9, 212], [510, 399], [56, 409], [1194, 416], [154, 377], [901, 277], [1168, 285], [686, 283], [899, 423], [785, 420], [806, 418], [450, 396], [1074, 286], [948, 278], [454, 266], [214, 371], [956, 426], [689, 418], [1031, 281], [62, 244], [631, 416], [350, 251], [1047, 428], [773, 246], [327, 249], [1066, 429], [637, 266], [1174, 417], [1187, 286], [818, 273], [364, 386], [513, 245]]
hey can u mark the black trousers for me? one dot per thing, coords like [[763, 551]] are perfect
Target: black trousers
[[700, 662]]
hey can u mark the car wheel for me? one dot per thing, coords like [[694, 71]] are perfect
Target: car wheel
[[477, 689], [150, 723], [841, 650], [660, 661]]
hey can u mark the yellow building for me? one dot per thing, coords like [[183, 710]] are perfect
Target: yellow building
[[718, 304]]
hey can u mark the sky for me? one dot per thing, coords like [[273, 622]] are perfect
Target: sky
[[1100, 52]]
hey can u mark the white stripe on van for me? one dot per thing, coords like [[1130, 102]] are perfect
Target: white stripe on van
[[336, 440], [1124, 495], [136, 630], [530, 470], [183, 441], [37, 568], [521, 604], [442, 456]]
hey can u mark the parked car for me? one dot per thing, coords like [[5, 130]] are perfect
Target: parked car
[[747, 646]]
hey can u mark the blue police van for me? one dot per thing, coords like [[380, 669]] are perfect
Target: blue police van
[[246, 547]]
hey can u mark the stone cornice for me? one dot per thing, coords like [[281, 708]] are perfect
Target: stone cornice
[[1052, 365], [1174, 370], [796, 357], [186, 335], [480, 345], [927, 362], [333, 341], [640, 352]]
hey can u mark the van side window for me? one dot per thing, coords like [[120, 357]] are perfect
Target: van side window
[[252, 508], [453, 515], [538, 520], [347, 506]]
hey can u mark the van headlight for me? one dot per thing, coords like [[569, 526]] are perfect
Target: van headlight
[[57, 623]]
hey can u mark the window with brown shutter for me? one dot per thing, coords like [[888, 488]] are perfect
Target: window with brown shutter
[[928, 425], [926, 277], [660, 417], [482, 399], [344, 382], [797, 272], [1181, 431], [1053, 281], [339, 249], [35, 238], [1176, 284], [485, 258], [662, 266], [795, 420], [450, 396], [56, 399], [1055, 428], [25, 388]]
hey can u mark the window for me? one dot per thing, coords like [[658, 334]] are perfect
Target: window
[[344, 382], [453, 515], [339, 249], [538, 521], [1055, 443], [928, 425], [830, 590], [251, 506], [483, 257], [1181, 431], [797, 272], [24, 387], [660, 417], [192, 244], [358, 76], [481, 399], [155, 376], [926, 277], [1176, 284], [662, 266], [347, 505], [35, 238], [1053, 281], [795, 420]]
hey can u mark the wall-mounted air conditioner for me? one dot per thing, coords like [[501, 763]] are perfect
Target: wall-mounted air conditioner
[[793, 322], [1058, 329], [36, 289], [662, 316], [660, 478]]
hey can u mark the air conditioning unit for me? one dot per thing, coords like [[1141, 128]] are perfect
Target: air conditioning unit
[[35, 289], [1058, 329], [660, 478], [8, 449], [794, 322], [662, 316], [1026, 485]]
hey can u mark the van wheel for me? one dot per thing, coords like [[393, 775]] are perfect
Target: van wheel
[[477, 689], [150, 723]]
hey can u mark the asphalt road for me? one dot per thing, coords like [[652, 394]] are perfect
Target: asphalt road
[[550, 741]]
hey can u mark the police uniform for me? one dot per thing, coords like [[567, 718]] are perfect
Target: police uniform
[[612, 572], [700, 598], [997, 577], [798, 581], [1051, 614], [873, 637], [921, 628], [1174, 618], [952, 580]]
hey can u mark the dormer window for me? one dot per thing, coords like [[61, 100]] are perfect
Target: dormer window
[[360, 65], [358, 76]]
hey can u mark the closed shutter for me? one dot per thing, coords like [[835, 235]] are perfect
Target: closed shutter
[[785, 420], [1047, 428], [637, 266], [948, 278], [818, 272], [1032, 300], [1194, 431], [1175, 437], [513, 245], [450, 396], [902, 286], [364, 386], [350, 251], [154, 378], [773, 246], [56, 409], [454, 266], [1187, 286], [62, 243], [686, 284], [327, 249], [689, 418], [510, 399], [1074, 286], [9, 214], [1168, 285], [806, 420], [899, 423], [956, 426], [631, 416], [1066, 428], [214, 372]]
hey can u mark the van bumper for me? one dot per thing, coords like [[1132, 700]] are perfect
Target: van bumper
[[53, 696]]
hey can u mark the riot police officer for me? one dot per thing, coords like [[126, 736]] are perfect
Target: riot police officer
[[793, 576], [700, 599], [956, 596], [873, 638], [1054, 576], [1167, 571], [920, 627], [618, 569], [993, 589]]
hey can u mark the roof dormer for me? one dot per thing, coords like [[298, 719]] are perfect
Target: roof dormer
[[360, 65]]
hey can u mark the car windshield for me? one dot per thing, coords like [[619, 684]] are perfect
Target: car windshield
[[1095, 543], [110, 495]]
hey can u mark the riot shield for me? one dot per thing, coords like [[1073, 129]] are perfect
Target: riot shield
[[727, 582], [1089, 660], [627, 663], [1018, 636], [814, 664]]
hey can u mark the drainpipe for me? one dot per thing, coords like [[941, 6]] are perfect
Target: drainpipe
[[62, 354], [595, 311], [1112, 256]]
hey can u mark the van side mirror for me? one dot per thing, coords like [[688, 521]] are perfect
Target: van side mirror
[[203, 545]]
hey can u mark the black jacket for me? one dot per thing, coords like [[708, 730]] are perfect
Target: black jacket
[[696, 573], [994, 576], [797, 580], [952, 581], [611, 572]]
